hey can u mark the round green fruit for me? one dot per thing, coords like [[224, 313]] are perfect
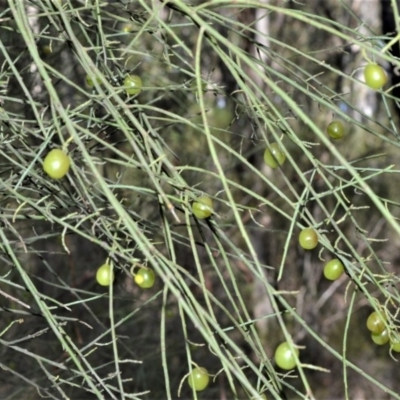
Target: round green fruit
[[285, 358], [202, 207], [221, 117], [145, 278], [105, 275], [198, 379], [128, 28], [90, 83], [376, 322], [336, 130], [56, 164], [47, 50], [395, 344], [333, 269], [380, 338], [375, 76], [274, 155], [133, 84], [308, 239]]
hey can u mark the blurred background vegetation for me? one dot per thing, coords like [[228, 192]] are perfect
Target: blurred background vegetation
[[222, 80]]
